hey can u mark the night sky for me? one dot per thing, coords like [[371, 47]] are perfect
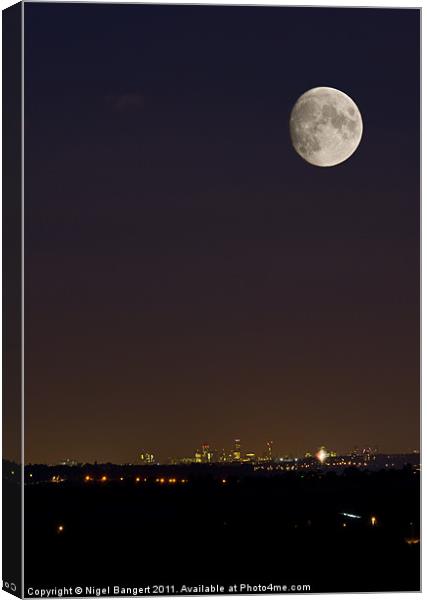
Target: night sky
[[188, 277]]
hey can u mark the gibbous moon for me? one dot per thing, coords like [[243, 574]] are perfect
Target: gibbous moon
[[326, 126]]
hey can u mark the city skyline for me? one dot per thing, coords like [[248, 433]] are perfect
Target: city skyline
[[186, 272], [207, 452]]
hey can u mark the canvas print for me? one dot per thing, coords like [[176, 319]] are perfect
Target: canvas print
[[211, 274]]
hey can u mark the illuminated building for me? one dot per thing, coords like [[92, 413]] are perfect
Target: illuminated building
[[365, 454], [224, 457], [270, 450], [69, 462], [207, 454], [355, 452], [237, 453], [249, 457], [147, 458]]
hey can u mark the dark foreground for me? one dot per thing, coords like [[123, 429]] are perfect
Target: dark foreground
[[286, 529]]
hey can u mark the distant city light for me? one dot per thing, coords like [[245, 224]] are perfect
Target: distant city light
[[350, 515], [412, 541], [104, 478], [374, 521], [147, 458], [322, 455], [60, 528]]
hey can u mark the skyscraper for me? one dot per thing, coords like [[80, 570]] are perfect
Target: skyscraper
[[237, 453], [147, 458]]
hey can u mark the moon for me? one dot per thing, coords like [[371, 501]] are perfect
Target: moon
[[326, 126]]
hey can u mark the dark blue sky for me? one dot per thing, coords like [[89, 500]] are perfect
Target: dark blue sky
[[189, 277]]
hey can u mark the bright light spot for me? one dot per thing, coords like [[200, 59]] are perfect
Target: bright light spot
[[412, 541], [138, 479], [224, 481], [87, 478], [374, 521], [161, 480], [104, 478], [60, 528], [121, 478], [322, 455]]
